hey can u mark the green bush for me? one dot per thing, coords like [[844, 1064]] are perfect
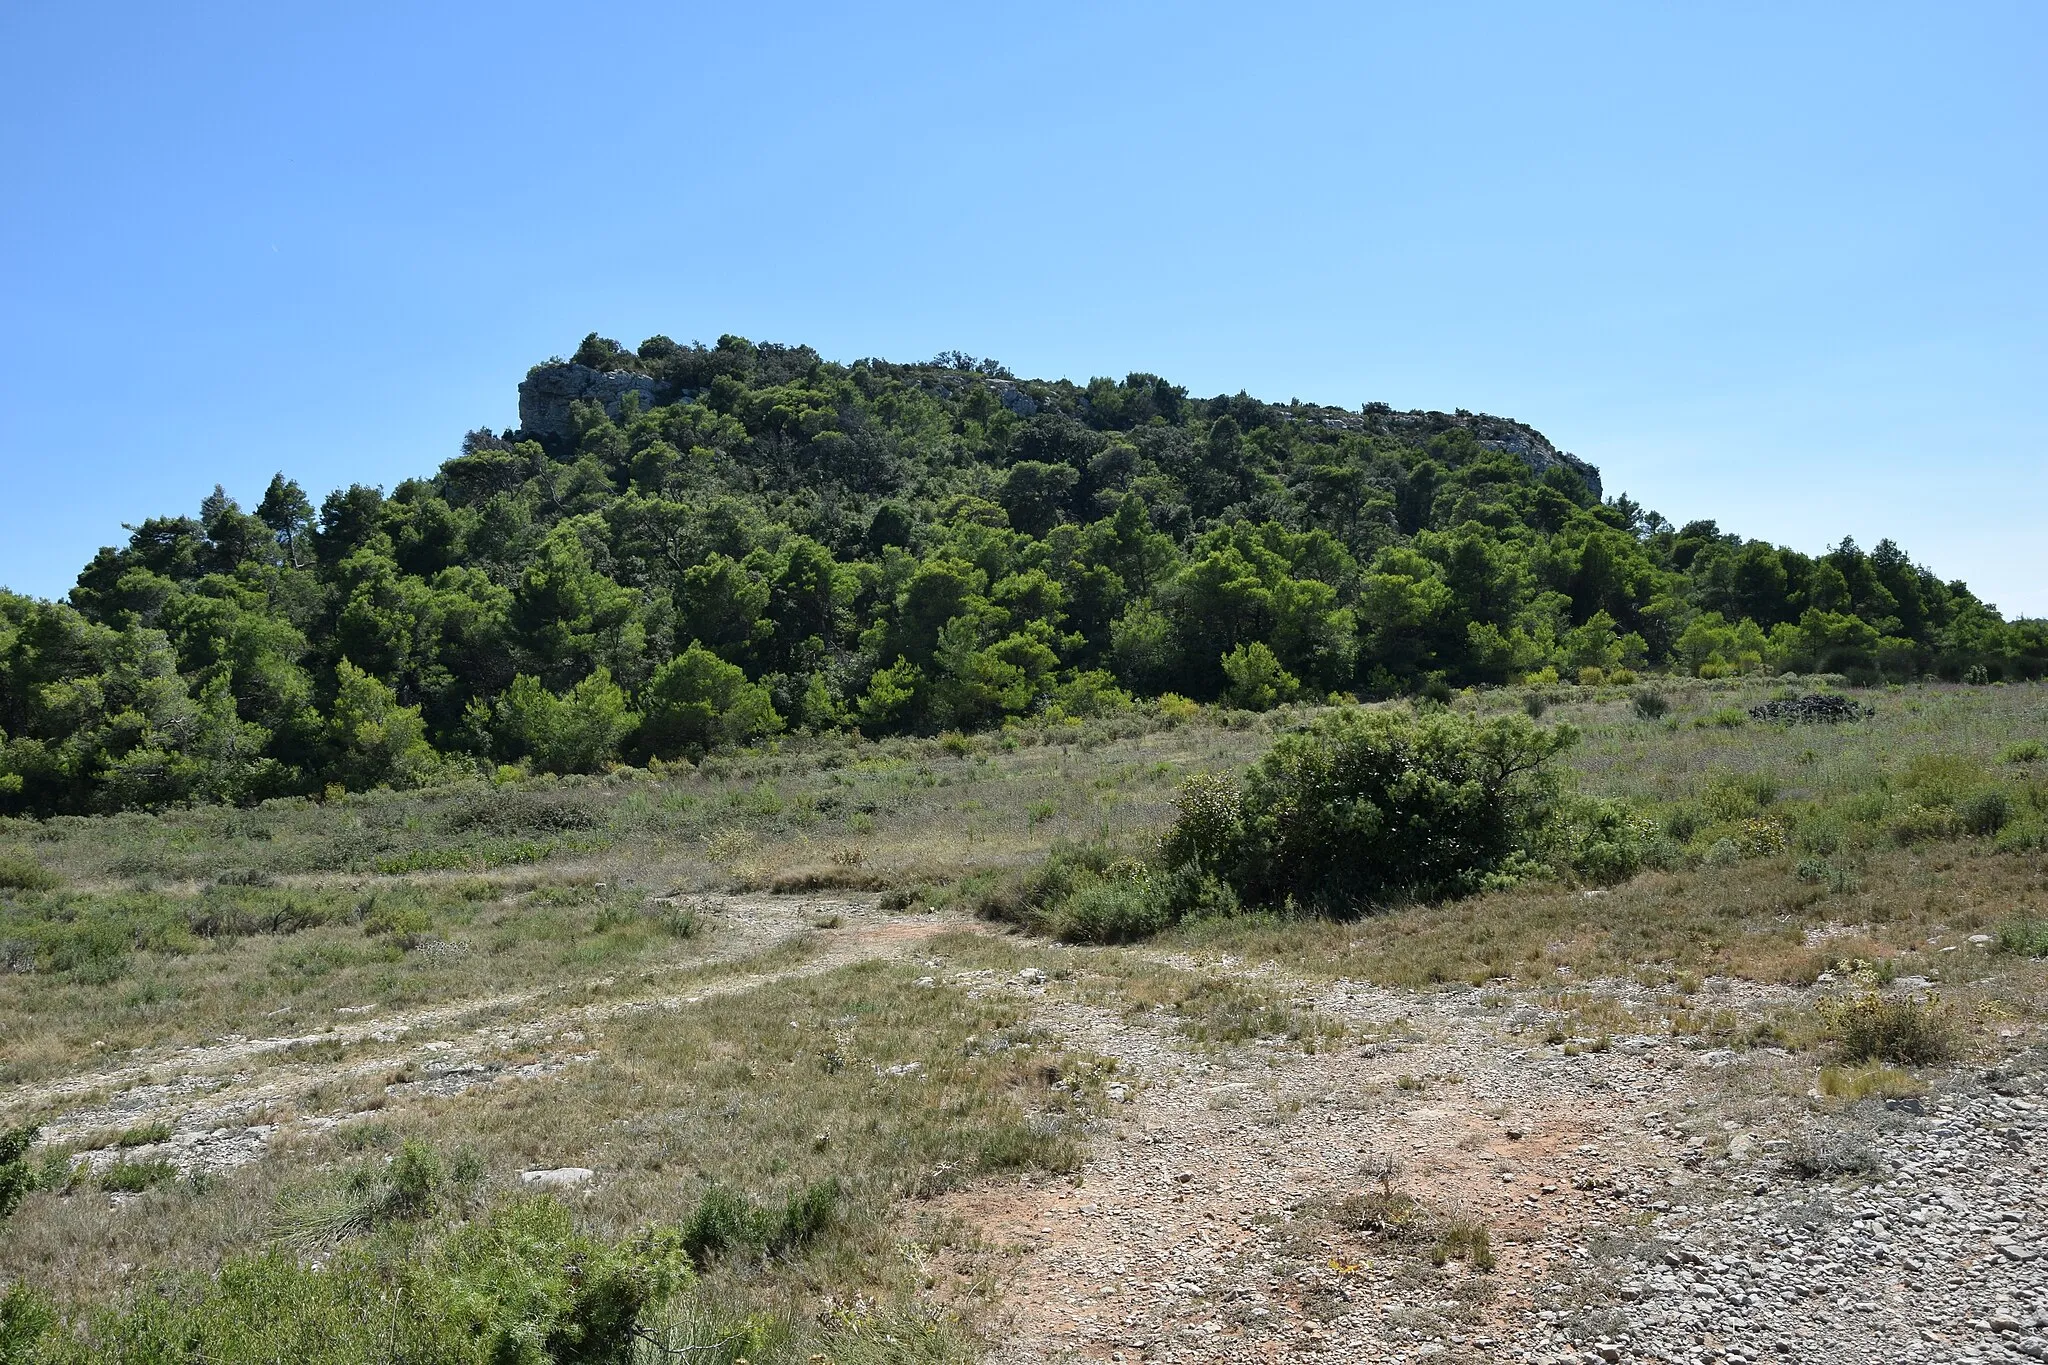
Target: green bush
[[1895, 1029], [2026, 751], [1121, 911], [1650, 705], [1737, 796], [17, 1176], [1984, 813], [697, 701], [415, 1184], [20, 874], [1255, 679], [727, 1223], [1030, 897], [2029, 836], [2023, 938], [1919, 824], [1367, 807], [1605, 841]]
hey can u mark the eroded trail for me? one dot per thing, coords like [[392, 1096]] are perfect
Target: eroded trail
[[1226, 1212], [225, 1102], [1251, 1203]]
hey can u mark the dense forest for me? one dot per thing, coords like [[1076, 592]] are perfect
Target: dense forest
[[731, 541]]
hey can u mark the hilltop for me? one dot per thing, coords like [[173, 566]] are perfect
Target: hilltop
[[690, 546]]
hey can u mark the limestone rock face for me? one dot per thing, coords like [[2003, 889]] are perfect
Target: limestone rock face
[[548, 390]]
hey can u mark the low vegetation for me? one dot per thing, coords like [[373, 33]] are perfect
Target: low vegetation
[[760, 1156]]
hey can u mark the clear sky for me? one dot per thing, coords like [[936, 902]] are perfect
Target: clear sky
[[1777, 265]]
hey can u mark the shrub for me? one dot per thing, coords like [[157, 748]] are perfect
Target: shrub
[[1760, 837], [17, 1177], [578, 732], [1918, 824], [1604, 841], [1942, 779], [1534, 704], [697, 701], [1984, 813], [1256, 681], [20, 874], [728, 1223], [2026, 751], [1897, 1029], [1727, 718], [1650, 705], [1090, 692], [1464, 1239], [1822, 1154], [2023, 938], [515, 811], [412, 1186], [1737, 796], [1368, 806], [1121, 911], [1683, 823], [1030, 897], [2030, 836], [405, 923]]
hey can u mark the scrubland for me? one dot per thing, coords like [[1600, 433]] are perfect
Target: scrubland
[[756, 1030]]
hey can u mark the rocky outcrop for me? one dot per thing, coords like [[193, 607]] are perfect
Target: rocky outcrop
[[548, 390], [1518, 439]]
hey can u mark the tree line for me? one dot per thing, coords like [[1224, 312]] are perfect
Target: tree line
[[788, 543]]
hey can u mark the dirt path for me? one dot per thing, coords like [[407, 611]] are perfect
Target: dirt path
[[225, 1102], [1210, 1221], [1635, 1191]]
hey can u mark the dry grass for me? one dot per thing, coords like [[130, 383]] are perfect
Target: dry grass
[[764, 1094], [1856, 853]]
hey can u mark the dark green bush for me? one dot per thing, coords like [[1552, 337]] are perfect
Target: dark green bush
[[1368, 807], [1030, 897], [1984, 813], [17, 1177], [729, 1223], [1650, 705]]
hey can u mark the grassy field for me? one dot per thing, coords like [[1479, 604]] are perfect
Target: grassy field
[[798, 1112]]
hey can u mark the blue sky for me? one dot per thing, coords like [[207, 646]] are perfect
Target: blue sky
[[1781, 266]]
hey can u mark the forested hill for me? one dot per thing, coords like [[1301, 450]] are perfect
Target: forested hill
[[686, 546]]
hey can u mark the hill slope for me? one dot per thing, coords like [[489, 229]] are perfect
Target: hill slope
[[693, 545]]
